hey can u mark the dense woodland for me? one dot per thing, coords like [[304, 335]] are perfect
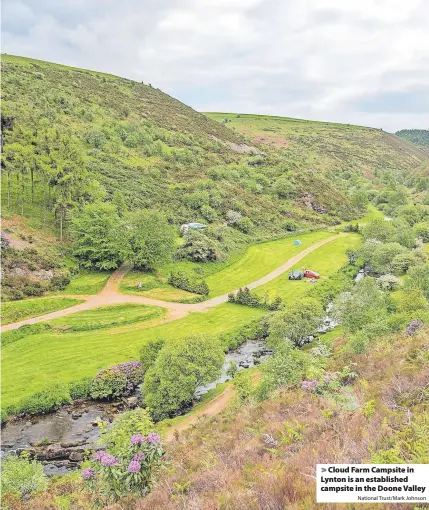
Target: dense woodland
[[417, 136]]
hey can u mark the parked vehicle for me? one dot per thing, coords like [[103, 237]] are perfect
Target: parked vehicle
[[296, 275], [311, 274]]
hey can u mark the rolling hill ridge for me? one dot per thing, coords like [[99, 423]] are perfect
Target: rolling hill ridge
[[71, 136]]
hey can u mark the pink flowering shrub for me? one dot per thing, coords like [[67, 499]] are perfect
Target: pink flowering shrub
[[131, 469], [117, 381]]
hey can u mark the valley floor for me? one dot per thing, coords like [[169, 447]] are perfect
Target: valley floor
[[33, 361]]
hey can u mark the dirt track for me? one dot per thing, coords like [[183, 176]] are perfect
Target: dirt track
[[110, 295], [212, 408]]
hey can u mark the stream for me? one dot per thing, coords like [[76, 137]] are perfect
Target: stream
[[68, 432]]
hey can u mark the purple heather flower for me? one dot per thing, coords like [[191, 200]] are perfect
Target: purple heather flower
[[414, 326], [88, 473], [153, 438], [98, 455], [139, 456], [164, 458], [109, 460], [134, 467], [137, 439], [309, 385]]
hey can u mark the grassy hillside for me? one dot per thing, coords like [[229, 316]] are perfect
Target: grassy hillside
[[343, 151], [264, 455], [71, 136]]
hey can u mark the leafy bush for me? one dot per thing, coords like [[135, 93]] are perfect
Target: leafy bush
[[361, 306], [290, 225], [245, 297], [233, 217], [402, 262], [150, 351], [80, 389], [245, 225], [286, 367], [418, 279], [388, 282], [44, 401], [296, 322], [285, 188], [200, 248], [60, 282], [108, 384], [117, 380], [380, 230], [181, 366], [422, 230], [183, 281], [123, 427], [22, 477], [131, 469]]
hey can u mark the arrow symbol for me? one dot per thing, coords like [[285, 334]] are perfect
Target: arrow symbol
[[323, 470]]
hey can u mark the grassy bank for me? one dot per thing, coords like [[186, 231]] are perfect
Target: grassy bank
[[14, 311]]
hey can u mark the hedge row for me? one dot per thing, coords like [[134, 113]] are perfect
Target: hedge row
[[181, 280]]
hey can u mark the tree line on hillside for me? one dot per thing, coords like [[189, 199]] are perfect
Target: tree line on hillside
[[417, 136]]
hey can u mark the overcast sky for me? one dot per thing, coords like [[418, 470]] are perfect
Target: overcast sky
[[354, 61]]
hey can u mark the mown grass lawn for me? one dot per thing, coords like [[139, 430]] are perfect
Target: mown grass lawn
[[87, 282], [326, 260], [107, 317], [14, 311], [153, 286], [36, 361], [257, 261]]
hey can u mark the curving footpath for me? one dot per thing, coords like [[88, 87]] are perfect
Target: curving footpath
[[110, 295]]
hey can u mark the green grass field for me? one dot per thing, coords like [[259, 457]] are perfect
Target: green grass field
[[107, 317], [153, 286], [326, 260], [257, 261], [33, 362], [87, 282], [14, 311]]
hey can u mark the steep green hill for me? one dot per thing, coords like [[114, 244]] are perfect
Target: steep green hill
[[71, 136], [342, 151]]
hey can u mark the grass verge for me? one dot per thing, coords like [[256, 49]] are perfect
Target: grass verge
[[13, 311]]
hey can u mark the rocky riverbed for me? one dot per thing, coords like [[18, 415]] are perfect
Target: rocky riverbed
[[60, 439]]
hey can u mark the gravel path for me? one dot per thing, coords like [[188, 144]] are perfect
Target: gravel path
[[110, 295]]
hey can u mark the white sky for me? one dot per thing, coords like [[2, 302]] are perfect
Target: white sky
[[361, 62]]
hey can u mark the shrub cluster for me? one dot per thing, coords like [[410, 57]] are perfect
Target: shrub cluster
[[43, 401], [245, 297], [129, 469], [200, 248], [116, 381], [22, 477], [184, 281], [113, 382]]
